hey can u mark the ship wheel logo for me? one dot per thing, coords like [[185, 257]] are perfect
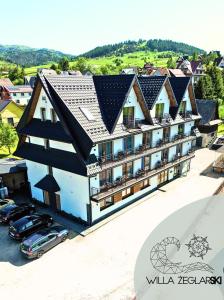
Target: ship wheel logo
[[198, 246]]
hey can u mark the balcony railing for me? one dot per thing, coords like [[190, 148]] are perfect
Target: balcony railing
[[131, 123], [124, 181], [162, 120], [186, 114], [120, 155]]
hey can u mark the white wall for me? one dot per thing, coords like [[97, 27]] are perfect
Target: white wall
[[155, 157], [117, 172], [138, 139], [53, 144], [156, 136], [36, 141], [94, 183], [95, 150], [188, 126], [118, 146], [35, 173], [132, 101], [137, 165], [74, 192], [186, 147], [21, 100], [172, 153], [74, 189], [162, 98], [45, 104], [173, 131], [188, 101]]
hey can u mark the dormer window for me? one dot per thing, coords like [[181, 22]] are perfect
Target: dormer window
[[128, 116], [183, 107], [159, 110], [43, 114]]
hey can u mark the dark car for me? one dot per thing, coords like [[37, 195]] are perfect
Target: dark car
[[5, 202], [42, 241], [13, 212], [27, 225]]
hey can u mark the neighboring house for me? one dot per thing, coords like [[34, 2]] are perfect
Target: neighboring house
[[13, 174], [96, 144], [10, 112], [168, 72], [219, 62], [192, 68], [20, 94], [208, 125], [30, 80], [131, 70], [5, 82]]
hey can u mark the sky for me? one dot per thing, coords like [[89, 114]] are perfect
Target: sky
[[75, 26]]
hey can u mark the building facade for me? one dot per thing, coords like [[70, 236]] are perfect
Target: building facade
[[96, 144]]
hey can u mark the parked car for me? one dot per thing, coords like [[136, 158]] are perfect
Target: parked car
[[27, 225], [5, 202], [42, 241], [13, 212]]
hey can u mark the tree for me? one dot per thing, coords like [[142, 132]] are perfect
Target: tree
[[8, 136], [217, 80], [53, 67], [171, 63], [104, 70], [82, 65], [204, 88], [63, 64], [195, 56]]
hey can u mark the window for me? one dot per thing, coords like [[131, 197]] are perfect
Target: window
[[128, 116], [30, 94], [126, 193], [183, 107], [159, 110], [53, 116], [14, 94], [147, 163], [128, 169], [180, 128], [44, 98], [43, 114], [18, 101], [129, 144], [50, 170], [105, 177], [145, 183], [147, 139], [106, 203], [162, 177], [89, 116], [10, 121], [105, 151], [22, 94]]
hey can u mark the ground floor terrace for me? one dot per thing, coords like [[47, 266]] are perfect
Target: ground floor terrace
[[101, 264]]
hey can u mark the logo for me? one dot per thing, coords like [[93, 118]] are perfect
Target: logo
[[160, 261]]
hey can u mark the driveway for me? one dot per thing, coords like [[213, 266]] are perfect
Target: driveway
[[101, 264]]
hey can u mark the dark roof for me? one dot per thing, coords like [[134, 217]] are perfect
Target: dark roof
[[218, 60], [151, 86], [112, 92], [47, 130], [64, 160], [179, 86], [11, 165], [48, 183], [195, 64], [208, 109], [3, 104]]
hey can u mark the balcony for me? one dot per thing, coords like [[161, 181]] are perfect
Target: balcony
[[113, 160], [131, 123], [97, 194], [162, 120], [186, 115]]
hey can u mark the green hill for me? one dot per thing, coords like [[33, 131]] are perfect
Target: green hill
[[26, 56], [159, 45]]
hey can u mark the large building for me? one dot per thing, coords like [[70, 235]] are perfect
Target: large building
[[95, 144]]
